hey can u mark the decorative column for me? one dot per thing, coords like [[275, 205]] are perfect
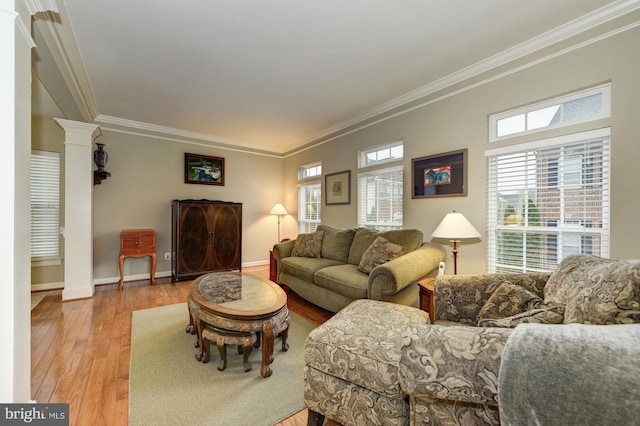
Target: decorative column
[[78, 217], [15, 156]]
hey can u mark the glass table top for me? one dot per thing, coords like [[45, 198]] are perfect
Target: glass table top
[[240, 292]]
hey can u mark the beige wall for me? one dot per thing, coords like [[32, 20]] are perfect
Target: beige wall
[[147, 172], [461, 121]]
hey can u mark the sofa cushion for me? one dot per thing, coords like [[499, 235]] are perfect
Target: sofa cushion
[[544, 315], [410, 239], [344, 279], [308, 245], [305, 268], [508, 300], [336, 243], [361, 344], [381, 251], [363, 238], [597, 291]]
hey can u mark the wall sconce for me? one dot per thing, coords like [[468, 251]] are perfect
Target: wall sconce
[[100, 157]]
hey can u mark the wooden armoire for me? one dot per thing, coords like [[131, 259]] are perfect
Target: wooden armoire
[[206, 236]]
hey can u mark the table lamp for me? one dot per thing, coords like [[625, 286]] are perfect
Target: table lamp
[[455, 227], [279, 210]]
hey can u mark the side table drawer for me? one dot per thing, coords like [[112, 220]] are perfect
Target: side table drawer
[[141, 244]]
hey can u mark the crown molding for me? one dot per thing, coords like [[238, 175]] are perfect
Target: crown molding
[[124, 125], [61, 42], [586, 22], [37, 6]]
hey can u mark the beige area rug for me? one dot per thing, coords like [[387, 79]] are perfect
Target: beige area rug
[[167, 386]]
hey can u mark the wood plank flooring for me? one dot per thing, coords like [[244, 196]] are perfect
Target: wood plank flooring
[[80, 350]]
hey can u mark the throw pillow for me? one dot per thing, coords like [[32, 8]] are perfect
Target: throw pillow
[[381, 251], [308, 245], [508, 300], [540, 316], [361, 241], [568, 278], [608, 293]]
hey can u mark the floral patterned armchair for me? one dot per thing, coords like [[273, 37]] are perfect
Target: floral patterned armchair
[[450, 370], [448, 373]]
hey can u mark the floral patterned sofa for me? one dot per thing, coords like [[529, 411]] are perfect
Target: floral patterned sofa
[[387, 365]]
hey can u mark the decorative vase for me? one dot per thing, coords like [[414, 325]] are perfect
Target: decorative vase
[[100, 157]]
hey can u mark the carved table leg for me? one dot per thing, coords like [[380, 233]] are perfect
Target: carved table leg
[[256, 344], [268, 337], [285, 334], [246, 352], [223, 353], [206, 350]]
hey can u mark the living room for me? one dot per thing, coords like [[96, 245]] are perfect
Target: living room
[[147, 168]]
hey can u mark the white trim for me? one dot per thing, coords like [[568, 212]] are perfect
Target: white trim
[[550, 142], [602, 89]]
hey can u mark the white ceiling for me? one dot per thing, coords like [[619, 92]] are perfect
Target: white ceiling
[[279, 74]]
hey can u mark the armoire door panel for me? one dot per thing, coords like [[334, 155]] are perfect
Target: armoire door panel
[[226, 236]]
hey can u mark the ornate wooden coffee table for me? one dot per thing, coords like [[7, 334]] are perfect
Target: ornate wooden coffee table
[[229, 307]]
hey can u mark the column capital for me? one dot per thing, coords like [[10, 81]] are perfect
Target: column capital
[[79, 129]]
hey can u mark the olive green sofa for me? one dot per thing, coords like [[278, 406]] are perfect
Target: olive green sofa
[[331, 276]]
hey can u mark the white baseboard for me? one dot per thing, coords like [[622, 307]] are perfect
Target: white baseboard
[[113, 280]]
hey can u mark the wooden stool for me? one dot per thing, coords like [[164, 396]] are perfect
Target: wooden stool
[[222, 339]]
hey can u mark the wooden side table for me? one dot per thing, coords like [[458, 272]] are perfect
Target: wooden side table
[[426, 296], [137, 243]]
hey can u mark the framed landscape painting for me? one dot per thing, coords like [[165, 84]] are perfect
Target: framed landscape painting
[[203, 169], [441, 175]]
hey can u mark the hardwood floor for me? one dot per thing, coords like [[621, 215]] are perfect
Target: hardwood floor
[[80, 349]]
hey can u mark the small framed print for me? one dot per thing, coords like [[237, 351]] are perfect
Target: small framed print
[[337, 188], [442, 175], [203, 169]]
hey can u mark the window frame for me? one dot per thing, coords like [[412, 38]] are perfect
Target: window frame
[[49, 178], [566, 228], [379, 149], [309, 175], [494, 119], [361, 215]]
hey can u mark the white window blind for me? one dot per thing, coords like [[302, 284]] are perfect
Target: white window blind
[[309, 206], [547, 200], [45, 205], [380, 199]]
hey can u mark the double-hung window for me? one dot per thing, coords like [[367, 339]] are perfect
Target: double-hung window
[[380, 187], [45, 207], [548, 199], [309, 197]]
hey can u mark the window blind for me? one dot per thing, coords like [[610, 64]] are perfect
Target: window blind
[[380, 199], [45, 204], [309, 207], [548, 200]]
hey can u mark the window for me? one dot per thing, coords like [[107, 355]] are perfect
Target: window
[[45, 206], [548, 199], [380, 199], [578, 107], [382, 154], [309, 198]]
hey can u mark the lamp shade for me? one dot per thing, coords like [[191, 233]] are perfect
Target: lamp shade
[[278, 209], [455, 226]]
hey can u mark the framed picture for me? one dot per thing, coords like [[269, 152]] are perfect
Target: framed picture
[[337, 188], [203, 169], [442, 175]]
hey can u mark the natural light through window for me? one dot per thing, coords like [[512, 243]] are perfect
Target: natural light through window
[[579, 107]]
